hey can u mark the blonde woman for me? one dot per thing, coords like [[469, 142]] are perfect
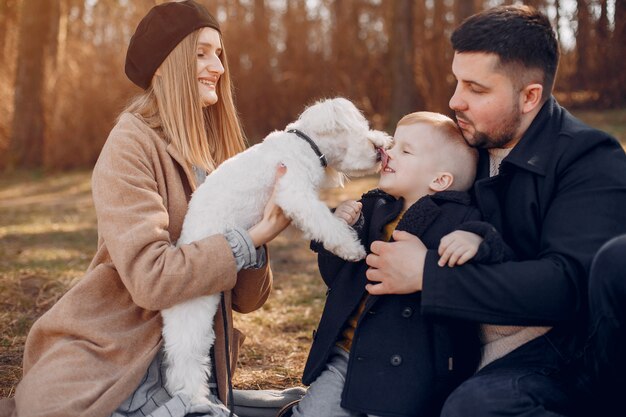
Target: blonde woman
[[97, 352]]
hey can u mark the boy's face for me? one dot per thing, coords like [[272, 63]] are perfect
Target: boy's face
[[412, 162]]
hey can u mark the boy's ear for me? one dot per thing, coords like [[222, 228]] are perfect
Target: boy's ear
[[441, 182]]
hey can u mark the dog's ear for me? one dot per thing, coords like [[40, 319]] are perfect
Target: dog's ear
[[332, 115], [333, 178], [380, 139]]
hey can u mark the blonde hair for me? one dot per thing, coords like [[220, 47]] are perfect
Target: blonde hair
[[456, 156], [205, 137]]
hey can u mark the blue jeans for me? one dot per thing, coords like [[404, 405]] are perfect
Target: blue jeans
[[606, 349], [533, 380], [530, 381]]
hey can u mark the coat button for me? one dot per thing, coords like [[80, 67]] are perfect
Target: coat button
[[407, 312], [396, 360]]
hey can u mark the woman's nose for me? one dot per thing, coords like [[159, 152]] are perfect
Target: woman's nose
[[216, 66]]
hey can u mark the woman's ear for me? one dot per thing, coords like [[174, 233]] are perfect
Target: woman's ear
[[441, 182]]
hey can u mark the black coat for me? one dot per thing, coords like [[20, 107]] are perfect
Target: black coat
[[400, 364], [560, 195]]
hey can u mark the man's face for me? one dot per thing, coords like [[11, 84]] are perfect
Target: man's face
[[486, 102]]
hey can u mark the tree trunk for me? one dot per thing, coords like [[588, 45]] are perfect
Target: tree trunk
[[601, 74], [402, 48], [26, 148], [583, 44], [463, 9], [557, 20], [441, 56], [618, 49], [8, 12]]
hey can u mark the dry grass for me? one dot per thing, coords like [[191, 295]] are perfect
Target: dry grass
[[48, 236]]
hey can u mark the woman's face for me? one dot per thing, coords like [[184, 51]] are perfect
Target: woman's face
[[209, 65]]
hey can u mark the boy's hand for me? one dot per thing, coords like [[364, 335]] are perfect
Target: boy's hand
[[349, 211], [458, 247]]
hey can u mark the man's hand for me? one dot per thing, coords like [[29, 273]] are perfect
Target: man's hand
[[396, 267]]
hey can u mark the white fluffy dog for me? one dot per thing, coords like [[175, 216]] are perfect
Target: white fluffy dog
[[235, 194]]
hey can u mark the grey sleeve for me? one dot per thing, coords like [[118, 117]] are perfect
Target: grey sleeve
[[246, 255]]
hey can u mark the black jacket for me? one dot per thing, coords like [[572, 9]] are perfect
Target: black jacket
[[560, 195], [400, 363]]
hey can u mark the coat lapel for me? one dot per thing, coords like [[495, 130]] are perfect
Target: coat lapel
[[183, 167], [416, 221], [380, 218]]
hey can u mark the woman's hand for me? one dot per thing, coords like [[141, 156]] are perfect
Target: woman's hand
[[349, 211], [274, 220]]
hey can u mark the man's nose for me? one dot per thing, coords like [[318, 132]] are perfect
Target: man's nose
[[456, 102]]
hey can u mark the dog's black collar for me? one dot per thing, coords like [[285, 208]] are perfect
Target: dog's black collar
[[317, 151]]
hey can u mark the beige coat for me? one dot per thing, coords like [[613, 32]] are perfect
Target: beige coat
[[90, 351]]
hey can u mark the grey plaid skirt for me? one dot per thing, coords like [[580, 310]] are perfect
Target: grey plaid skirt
[[151, 399]]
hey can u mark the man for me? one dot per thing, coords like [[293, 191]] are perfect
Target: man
[[553, 187]]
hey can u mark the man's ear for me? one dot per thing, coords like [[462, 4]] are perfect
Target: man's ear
[[531, 97], [441, 182]]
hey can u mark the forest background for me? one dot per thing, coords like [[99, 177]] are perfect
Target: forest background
[[62, 85], [62, 82]]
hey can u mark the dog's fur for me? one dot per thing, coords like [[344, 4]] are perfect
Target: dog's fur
[[235, 194]]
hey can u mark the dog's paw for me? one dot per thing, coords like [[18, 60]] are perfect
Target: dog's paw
[[200, 400], [350, 252]]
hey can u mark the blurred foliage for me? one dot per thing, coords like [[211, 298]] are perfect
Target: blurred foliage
[[62, 82]]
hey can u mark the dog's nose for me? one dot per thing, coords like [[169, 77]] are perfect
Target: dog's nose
[[381, 156]]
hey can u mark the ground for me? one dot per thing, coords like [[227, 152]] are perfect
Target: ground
[[48, 236]]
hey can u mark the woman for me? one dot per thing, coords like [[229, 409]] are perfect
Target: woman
[[97, 351]]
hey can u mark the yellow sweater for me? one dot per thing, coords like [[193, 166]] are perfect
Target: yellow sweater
[[345, 341]]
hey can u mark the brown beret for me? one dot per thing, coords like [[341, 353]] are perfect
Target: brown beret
[[157, 35]]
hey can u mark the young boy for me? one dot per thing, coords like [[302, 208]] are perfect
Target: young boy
[[377, 355]]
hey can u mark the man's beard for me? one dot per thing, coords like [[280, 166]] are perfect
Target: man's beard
[[499, 138]]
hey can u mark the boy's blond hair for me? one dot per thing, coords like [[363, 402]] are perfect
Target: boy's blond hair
[[205, 137], [456, 156]]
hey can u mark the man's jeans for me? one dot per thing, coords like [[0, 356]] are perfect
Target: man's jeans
[[533, 380], [605, 354]]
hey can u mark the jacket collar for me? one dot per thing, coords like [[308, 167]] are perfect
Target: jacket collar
[[425, 211], [418, 217], [534, 150]]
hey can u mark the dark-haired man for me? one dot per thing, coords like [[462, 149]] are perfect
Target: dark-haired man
[[553, 187]]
